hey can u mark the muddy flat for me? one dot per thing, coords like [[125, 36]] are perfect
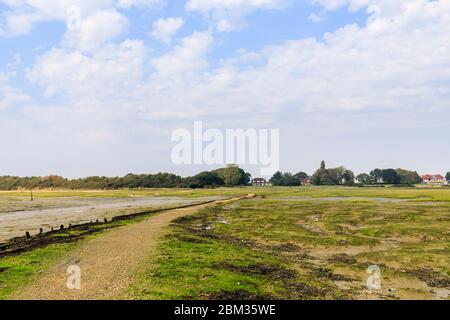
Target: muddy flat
[[16, 223]]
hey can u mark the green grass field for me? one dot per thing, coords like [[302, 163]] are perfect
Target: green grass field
[[419, 193], [287, 243]]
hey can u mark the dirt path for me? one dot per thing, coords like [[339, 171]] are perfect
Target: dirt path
[[108, 262]]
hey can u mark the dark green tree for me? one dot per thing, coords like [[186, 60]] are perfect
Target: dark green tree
[[363, 178], [348, 177], [232, 175], [277, 179], [408, 177], [390, 176], [376, 176], [289, 180], [301, 175], [205, 179], [324, 176]]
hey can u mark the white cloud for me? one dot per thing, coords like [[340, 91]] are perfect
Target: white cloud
[[228, 14], [23, 14], [110, 71], [18, 24], [10, 96], [396, 67], [187, 58], [388, 7], [165, 29], [97, 29], [140, 3], [396, 62], [393, 63], [316, 17], [56, 9], [210, 5]]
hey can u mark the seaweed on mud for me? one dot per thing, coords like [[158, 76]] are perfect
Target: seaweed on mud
[[343, 258], [3, 269], [203, 231], [238, 241], [20, 245], [286, 247], [430, 277], [184, 220], [324, 273], [299, 290], [23, 244], [273, 272], [240, 295], [192, 239], [195, 227], [289, 279]]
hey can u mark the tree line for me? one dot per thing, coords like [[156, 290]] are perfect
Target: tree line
[[343, 176], [229, 176], [232, 175]]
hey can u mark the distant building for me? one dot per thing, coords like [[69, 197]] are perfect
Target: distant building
[[306, 182], [261, 182], [434, 179]]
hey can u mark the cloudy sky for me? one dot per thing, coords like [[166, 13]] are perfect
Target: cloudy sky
[[360, 83]]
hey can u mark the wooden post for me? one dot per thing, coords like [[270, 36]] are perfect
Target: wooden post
[[41, 231], [31, 195], [27, 235]]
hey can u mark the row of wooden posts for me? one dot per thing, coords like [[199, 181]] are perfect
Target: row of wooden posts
[[41, 231]]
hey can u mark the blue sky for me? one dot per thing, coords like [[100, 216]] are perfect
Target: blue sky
[[363, 84]]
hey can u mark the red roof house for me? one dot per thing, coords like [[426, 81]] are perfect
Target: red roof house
[[433, 178]]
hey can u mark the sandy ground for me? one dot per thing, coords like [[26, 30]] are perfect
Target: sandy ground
[[108, 262], [14, 224]]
